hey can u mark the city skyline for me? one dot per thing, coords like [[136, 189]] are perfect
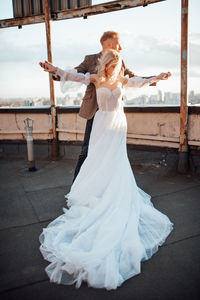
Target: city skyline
[[159, 99], [151, 44]]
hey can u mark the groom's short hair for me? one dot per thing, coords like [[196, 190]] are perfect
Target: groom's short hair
[[109, 35]]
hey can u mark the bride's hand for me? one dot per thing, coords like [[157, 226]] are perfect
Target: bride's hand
[[48, 67], [164, 76]]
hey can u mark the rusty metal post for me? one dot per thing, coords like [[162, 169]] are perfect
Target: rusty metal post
[[55, 145], [183, 163]]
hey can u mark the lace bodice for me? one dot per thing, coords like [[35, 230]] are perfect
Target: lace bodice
[[107, 99]]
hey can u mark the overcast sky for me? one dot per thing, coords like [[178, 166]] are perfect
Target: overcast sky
[[150, 37]]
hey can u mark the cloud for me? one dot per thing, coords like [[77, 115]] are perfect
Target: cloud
[[194, 38], [19, 47], [141, 52], [145, 52], [192, 73]]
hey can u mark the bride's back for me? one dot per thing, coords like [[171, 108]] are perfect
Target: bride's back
[[109, 99]]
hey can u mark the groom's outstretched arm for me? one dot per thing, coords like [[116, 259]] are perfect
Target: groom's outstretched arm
[[83, 67]]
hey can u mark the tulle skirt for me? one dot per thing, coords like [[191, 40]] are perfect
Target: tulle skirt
[[111, 225]]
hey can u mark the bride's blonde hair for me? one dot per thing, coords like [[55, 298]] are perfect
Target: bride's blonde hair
[[109, 58]]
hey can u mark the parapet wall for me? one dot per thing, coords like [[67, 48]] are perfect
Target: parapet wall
[[152, 126]]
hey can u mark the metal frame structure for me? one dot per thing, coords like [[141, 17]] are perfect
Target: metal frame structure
[[55, 147], [183, 146], [77, 13], [104, 8]]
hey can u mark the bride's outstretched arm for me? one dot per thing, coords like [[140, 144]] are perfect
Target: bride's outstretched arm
[[67, 75], [138, 82]]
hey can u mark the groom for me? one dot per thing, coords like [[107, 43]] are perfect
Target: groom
[[109, 40]]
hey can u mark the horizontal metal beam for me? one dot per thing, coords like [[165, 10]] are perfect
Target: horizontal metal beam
[[22, 21], [78, 13], [102, 8]]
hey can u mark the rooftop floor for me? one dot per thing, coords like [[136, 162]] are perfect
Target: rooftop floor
[[30, 200]]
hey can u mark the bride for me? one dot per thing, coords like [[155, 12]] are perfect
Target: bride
[[111, 225]]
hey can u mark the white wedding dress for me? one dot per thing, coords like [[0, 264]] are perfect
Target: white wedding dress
[[111, 224]]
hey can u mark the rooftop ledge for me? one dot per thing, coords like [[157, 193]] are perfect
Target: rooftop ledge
[[75, 109], [150, 126]]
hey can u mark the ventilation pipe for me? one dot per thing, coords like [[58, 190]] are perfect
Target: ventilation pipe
[[29, 138]]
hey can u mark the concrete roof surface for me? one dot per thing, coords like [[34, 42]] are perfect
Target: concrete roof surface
[[31, 200]]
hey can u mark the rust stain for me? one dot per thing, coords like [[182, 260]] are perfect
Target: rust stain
[[183, 147], [50, 59]]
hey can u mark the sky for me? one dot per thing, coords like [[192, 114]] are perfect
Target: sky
[[150, 38]]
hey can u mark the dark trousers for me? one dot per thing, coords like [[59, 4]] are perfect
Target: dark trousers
[[84, 149]]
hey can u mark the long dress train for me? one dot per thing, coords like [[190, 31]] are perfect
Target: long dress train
[[111, 225]]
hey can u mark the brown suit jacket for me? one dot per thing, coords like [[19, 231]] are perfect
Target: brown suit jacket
[[89, 104]]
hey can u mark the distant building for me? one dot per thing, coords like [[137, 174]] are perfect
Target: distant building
[[153, 99], [171, 98], [160, 97], [29, 102], [193, 99], [166, 98]]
